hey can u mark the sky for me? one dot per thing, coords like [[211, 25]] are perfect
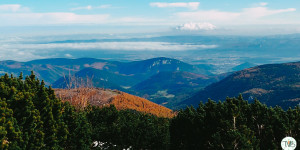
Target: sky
[[145, 16], [30, 28]]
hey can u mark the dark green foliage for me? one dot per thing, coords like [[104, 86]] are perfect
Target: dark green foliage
[[19, 99], [33, 118], [9, 131], [128, 129], [273, 84], [79, 129], [233, 124]]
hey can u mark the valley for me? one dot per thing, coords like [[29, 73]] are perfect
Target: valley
[[149, 75], [166, 81], [272, 84]]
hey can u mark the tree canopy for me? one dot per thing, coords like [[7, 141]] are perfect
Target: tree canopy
[[33, 118]]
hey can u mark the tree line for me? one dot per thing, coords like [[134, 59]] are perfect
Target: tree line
[[32, 117]]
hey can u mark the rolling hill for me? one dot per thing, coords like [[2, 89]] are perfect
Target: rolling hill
[[129, 74], [50, 70], [169, 88], [81, 97], [273, 84], [99, 78], [155, 65], [152, 79], [129, 77]]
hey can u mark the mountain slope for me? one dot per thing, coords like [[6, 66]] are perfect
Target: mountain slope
[[274, 84], [50, 70], [98, 78], [155, 65], [81, 97], [168, 88], [147, 78]]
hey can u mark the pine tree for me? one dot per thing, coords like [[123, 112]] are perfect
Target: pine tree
[[78, 127], [28, 118], [10, 135]]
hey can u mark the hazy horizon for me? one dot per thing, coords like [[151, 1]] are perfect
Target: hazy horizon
[[225, 34], [117, 17]]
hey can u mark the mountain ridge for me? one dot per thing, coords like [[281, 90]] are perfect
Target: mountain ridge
[[272, 84], [51, 69]]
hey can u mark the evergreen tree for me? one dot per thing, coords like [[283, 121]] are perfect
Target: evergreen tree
[[78, 127], [10, 135], [33, 118]]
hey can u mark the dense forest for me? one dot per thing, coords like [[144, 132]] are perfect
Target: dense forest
[[272, 84], [32, 117]]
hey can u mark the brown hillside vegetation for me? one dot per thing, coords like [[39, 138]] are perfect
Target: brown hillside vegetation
[[81, 97]]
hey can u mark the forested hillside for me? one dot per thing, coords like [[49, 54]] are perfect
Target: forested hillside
[[272, 84], [233, 124], [33, 118], [170, 88], [50, 70], [123, 76]]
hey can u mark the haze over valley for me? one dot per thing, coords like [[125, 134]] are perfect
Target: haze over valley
[[221, 53]]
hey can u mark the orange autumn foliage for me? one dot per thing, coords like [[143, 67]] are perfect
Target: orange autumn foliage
[[128, 101], [82, 97]]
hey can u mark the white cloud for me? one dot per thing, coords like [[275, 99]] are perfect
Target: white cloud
[[18, 15], [13, 8], [21, 49], [130, 46], [189, 5], [196, 27], [258, 12], [64, 18], [89, 7], [208, 15], [20, 19], [18, 54], [252, 15], [68, 55], [24, 52], [263, 4]]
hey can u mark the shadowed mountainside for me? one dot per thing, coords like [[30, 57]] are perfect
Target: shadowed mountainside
[[273, 84], [169, 88]]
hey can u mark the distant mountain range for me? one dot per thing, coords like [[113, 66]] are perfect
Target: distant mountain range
[[273, 84], [176, 77], [51, 70], [167, 81], [124, 75]]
